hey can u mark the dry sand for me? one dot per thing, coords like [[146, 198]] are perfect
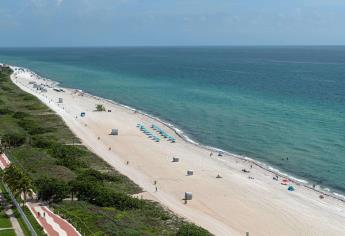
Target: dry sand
[[232, 205]]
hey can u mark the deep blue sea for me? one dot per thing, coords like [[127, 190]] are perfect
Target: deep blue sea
[[267, 103]]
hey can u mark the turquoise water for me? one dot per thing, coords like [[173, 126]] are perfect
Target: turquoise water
[[267, 103]]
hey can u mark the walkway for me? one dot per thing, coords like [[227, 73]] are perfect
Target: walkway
[[4, 162], [52, 224]]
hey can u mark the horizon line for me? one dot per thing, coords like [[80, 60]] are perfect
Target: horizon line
[[178, 46]]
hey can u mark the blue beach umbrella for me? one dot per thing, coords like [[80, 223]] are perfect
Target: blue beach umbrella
[[291, 188]]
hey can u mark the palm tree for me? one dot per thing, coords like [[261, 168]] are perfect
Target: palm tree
[[23, 188], [11, 175], [18, 182]]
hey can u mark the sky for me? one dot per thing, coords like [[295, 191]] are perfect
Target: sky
[[45, 23]]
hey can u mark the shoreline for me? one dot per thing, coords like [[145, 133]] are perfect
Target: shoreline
[[266, 167], [222, 160]]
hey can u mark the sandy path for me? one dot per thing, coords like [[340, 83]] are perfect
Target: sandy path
[[231, 205]]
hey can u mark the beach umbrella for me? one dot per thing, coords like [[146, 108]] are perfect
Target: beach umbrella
[[291, 188]]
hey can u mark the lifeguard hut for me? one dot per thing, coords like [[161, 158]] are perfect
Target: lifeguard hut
[[114, 132]]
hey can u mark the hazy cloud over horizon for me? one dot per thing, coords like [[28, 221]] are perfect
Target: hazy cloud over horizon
[[171, 22]]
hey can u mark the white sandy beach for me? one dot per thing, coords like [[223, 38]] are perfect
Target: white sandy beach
[[232, 205]]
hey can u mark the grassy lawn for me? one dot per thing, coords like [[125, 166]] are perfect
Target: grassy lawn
[[4, 220], [40, 143], [7, 232]]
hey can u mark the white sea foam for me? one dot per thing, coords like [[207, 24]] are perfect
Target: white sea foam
[[339, 195]]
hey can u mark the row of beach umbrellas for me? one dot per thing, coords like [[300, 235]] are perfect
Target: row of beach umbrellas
[[148, 133], [164, 134]]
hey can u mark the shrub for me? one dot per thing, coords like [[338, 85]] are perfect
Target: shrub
[[5, 111], [95, 193], [68, 156], [100, 107], [27, 97], [14, 139], [191, 230], [96, 175], [6, 88], [108, 198], [84, 189], [20, 115], [33, 127], [63, 151], [42, 142], [72, 163], [35, 106]]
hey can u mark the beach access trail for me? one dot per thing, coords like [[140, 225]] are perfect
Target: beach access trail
[[234, 204]]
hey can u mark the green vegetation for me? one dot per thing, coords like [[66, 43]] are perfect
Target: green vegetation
[[4, 220], [100, 107], [7, 232], [18, 181], [79, 185]]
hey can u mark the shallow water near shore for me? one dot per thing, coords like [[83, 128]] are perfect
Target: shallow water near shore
[[267, 103]]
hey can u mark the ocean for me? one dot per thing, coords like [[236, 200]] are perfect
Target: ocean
[[283, 106]]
